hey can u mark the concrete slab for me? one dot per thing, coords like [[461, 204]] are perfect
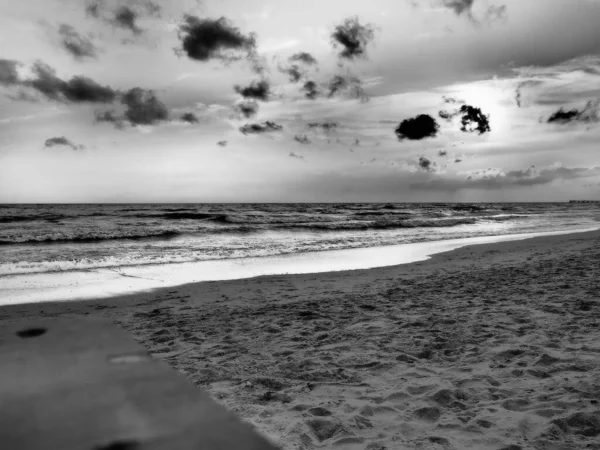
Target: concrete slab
[[79, 384]]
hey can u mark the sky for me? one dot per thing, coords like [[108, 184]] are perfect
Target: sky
[[299, 101]]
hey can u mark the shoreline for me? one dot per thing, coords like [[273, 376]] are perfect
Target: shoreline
[[482, 347], [84, 285]]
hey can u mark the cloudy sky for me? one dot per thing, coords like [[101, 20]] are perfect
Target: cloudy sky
[[288, 100]]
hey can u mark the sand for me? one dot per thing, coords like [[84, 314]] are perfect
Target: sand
[[493, 346]]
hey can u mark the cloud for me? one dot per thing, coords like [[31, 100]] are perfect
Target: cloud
[[123, 16], [78, 89], [8, 72], [474, 120], [417, 128], [458, 160], [259, 90], [346, 83], [459, 7], [222, 143], [442, 153], [311, 90], [452, 100], [589, 114], [110, 117], [496, 13], [426, 164], [80, 47], [493, 178], [206, 39], [353, 38], [302, 139], [259, 128], [325, 126], [294, 70], [143, 108], [248, 108], [189, 117], [521, 86], [294, 155], [62, 141], [303, 57]]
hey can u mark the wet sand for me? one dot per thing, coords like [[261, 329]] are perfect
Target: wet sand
[[493, 346]]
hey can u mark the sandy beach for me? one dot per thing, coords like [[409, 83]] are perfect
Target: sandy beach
[[493, 346]]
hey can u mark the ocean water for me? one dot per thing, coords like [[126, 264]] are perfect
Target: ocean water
[[43, 239]]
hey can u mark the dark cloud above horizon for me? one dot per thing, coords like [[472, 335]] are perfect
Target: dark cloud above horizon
[[142, 107], [9, 74], [258, 90], [473, 119], [353, 38], [302, 139], [346, 83], [61, 141], [588, 114], [80, 47], [426, 164], [77, 89], [311, 90], [247, 108], [189, 117], [123, 16], [260, 128], [207, 39], [296, 66], [417, 128], [498, 179]]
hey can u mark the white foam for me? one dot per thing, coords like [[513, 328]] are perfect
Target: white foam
[[101, 283]]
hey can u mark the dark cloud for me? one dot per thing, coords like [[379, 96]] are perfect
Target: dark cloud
[[458, 160], [259, 90], [417, 128], [311, 90], [294, 70], [206, 39], [589, 114], [62, 141], [8, 72], [80, 47], [426, 164], [447, 115], [346, 83], [77, 90], [452, 100], [519, 90], [189, 117], [353, 38], [442, 153], [123, 16], [126, 18], [459, 7], [143, 108], [294, 155], [474, 120], [302, 139], [258, 128], [248, 108], [222, 143], [110, 117], [303, 57], [498, 179], [325, 126]]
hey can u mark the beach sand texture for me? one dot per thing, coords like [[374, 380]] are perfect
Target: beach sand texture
[[493, 347]]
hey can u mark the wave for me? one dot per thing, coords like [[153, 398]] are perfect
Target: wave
[[47, 217], [93, 239]]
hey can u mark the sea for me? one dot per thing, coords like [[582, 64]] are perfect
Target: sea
[[51, 238]]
